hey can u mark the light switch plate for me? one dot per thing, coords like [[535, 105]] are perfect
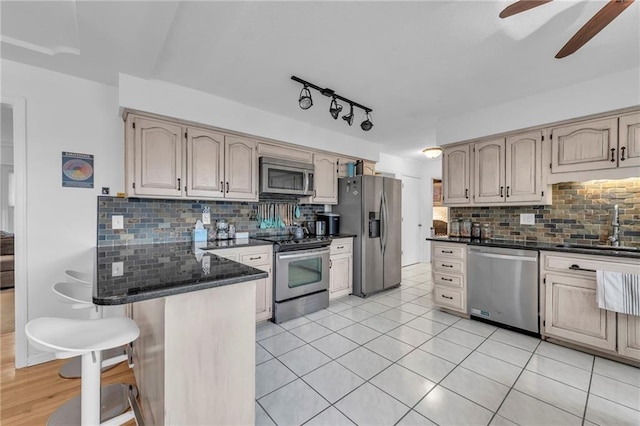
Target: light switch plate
[[117, 222], [527, 219], [206, 218], [117, 269]]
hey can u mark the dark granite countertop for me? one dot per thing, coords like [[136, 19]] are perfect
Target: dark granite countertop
[[157, 270], [233, 243], [343, 236], [534, 245]]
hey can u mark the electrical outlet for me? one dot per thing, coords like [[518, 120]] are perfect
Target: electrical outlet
[[527, 219], [117, 222], [117, 269], [206, 218]]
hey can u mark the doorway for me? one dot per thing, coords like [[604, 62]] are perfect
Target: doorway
[[411, 225], [7, 207], [440, 213]]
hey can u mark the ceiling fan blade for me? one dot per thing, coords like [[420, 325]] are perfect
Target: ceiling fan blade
[[600, 20], [521, 6]]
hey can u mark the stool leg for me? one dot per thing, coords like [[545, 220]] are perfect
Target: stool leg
[[90, 390]]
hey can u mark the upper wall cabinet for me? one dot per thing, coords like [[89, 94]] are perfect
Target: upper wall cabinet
[[587, 145], [325, 180], [455, 173], [508, 170], [629, 143], [266, 149], [164, 159]]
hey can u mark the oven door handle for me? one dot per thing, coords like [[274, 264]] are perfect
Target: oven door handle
[[306, 253]]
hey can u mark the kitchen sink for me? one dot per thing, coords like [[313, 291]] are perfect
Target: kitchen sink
[[598, 248]]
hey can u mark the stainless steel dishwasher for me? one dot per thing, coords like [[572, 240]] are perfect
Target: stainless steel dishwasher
[[502, 286]]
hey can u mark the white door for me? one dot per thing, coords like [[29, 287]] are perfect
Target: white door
[[411, 225]]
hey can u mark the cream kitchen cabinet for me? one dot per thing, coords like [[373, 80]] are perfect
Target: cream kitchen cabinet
[[259, 257], [165, 159], [629, 140], [587, 145], [368, 168], [285, 152], [456, 176], [325, 180], [570, 309], [341, 267], [509, 170], [449, 272]]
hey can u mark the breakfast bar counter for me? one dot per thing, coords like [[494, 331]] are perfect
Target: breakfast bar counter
[[194, 361]]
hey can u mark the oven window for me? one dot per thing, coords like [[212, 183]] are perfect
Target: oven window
[[305, 272], [285, 179]]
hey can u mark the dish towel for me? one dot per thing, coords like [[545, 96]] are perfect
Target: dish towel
[[618, 291]]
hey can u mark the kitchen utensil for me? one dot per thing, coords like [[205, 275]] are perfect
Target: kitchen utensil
[[297, 212], [298, 232], [311, 227]]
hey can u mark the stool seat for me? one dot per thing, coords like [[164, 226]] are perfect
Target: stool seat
[[79, 277], [72, 337], [79, 295]]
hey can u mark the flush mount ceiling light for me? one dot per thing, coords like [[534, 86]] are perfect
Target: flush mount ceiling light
[[366, 124], [334, 108], [305, 100], [432, 152], [349, 117]]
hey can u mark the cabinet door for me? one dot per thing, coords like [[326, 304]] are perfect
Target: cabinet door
[[263, 295], [456, 175], [368, 168], [488, 177], [629, 145], [629, 336], [241, 168], [325, 179], [205, 163], [523, 167], [571, 312], [590, 145], [157, 158], [340, 276]]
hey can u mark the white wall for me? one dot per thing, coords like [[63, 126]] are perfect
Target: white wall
[[620, 90], [64, 113], [188, 104]]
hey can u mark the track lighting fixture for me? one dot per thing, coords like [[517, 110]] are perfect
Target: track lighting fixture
[[367, 124], [432, 152], [305, 100], [349, 117], [334, 108]]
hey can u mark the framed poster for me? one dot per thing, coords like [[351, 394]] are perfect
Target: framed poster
[[77, 170]]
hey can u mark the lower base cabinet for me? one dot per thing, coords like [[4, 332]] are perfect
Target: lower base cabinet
[[259, 257], [341, 268], [569, 305], [449, 272]]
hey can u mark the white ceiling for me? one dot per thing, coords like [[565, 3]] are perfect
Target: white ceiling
[[413, 63]]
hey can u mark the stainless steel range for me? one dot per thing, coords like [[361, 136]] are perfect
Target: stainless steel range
[[301, 275]]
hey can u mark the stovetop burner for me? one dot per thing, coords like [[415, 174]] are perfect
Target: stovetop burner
[[288, 242]]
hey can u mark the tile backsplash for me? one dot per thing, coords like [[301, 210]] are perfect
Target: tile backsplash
[[581, 213], [154, 220]]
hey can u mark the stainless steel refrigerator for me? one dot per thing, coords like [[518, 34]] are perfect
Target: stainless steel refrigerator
[[370, 208]]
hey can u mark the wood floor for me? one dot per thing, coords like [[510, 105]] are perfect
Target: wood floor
[[29, 395], [7, 310]]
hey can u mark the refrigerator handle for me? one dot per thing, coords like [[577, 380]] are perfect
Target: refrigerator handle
[[383, 223]]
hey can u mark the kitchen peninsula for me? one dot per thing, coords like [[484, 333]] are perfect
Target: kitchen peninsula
[[194, 359]]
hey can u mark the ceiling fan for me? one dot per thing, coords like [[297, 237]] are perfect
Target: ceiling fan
[[600, 20]]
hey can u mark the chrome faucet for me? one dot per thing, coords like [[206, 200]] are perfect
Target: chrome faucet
[[615, 224]]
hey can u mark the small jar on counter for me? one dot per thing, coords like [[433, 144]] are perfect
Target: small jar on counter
[[487, 232], [454, 228], [465, 229], [475, 231]]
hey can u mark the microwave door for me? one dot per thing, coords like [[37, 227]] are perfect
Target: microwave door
[[283, 180]]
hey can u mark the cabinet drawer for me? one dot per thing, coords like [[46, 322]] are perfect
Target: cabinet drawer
[[341, 246], [448, 280], [255, 258], [587, 265], [448, 297], [448, 251], [448, 266]]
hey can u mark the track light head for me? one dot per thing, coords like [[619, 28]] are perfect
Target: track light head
[[335, 108], [305, 100], [367, 124], [349, 117]]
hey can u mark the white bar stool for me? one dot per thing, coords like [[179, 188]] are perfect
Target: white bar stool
[[80, 296], [87, 338]]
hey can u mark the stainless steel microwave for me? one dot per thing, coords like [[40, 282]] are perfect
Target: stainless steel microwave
[[279, 176]]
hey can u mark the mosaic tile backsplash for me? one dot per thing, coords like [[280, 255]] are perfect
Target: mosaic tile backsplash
[[154, 220], [580, 214]]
